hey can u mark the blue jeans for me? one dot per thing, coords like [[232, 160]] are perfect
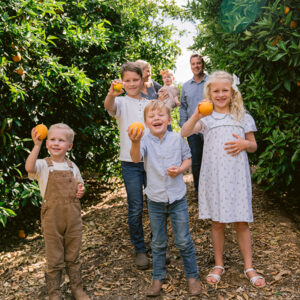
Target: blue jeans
[[196, 145], [178, 212], [134, 177]]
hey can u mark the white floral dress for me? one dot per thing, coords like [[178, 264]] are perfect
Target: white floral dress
[[225, 193]]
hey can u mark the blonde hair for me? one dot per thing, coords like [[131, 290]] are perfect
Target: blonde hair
[[167, 72], [156, 105], [236, 106], [69, 131], [142, 64]]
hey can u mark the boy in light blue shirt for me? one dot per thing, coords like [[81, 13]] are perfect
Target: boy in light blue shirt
[[166, 156]]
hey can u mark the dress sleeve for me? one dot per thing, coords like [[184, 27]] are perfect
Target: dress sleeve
[[204, 125], [249, 124]]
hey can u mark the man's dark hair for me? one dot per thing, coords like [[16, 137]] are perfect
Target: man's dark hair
[[198, 55]]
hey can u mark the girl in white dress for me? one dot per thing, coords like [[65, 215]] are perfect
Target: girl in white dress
[[225, 194]]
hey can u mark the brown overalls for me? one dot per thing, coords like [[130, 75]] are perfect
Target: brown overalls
[[61, 226]]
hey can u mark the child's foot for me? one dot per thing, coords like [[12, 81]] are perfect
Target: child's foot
[[214, 277], [194, 286], [154, 289], [256, 280]]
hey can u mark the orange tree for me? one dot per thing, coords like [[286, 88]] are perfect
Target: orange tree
[[259, 41], [57, 59]]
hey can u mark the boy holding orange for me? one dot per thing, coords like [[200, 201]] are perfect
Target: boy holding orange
[[61, 187], [128, 109], [166, 156]]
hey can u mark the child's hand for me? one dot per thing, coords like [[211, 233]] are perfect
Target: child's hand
[[197, 114], [173, 171], [163, 95], [114, 88], [35, 137], [135, 134], [235, 147], [80, 190]]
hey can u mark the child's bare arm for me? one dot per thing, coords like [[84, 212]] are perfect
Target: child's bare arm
[[192, 125], [177, 101], [80, 190], [109, 102], [175, 171], [135, 136], [235, 147], [32, 157]]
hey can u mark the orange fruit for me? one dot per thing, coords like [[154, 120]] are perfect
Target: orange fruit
[[118, 86], [20, 71], [137, 125], [42, 130], [293, 24], [205, 108], [21, 234], [298, 83], [286, 10], [17, 57], [278, 38]]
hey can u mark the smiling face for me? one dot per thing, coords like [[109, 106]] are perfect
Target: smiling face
[[157, 120], [168, 79], [132, 84], [147, 73], [58, 144], [197, 66], [220, 94]]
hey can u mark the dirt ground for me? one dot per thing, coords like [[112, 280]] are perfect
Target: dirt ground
[[107, 255]]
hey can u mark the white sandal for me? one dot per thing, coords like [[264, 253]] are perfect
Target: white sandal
[[216, 276], [254, 278]]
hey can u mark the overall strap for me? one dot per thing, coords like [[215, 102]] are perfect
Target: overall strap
[[70, 165], [49, 162]]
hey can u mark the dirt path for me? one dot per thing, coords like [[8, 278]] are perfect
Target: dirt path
[[107, 255]]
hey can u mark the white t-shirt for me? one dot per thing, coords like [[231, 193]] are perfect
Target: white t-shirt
[[129, 110], [42, 172]]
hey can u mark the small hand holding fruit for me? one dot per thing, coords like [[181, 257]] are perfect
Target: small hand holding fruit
[[235, 147], [80, 190], [38, 133], [173, 171], [205, 107], [116, 88], [136, 131]]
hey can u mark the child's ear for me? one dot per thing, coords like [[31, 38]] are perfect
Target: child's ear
[[70, 146], [170, 121]]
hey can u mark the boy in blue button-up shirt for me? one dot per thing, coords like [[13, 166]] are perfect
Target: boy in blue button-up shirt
[[166, 156]]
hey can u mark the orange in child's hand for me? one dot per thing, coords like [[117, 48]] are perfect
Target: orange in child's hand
[[137, 125], [42, 130], [21, 234], [205, 108], [118, 86]]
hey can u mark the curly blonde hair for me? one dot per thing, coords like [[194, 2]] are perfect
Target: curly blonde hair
[[236, 107]]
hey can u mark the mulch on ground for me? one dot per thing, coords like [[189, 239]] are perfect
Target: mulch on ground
[[107, 255]]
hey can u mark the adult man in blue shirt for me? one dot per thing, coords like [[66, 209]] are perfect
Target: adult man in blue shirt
[[191, 95]]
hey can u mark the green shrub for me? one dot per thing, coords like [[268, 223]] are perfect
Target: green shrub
[[70, 52], [266, 57]]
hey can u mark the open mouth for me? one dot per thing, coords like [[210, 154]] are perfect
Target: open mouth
[[157, 124]]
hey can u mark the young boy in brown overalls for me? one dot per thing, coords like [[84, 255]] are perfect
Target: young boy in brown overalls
[[61, 187]]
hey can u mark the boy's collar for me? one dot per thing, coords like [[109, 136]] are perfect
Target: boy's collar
[[157, 139]]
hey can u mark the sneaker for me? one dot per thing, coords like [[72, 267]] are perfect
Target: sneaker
[[142, 261]]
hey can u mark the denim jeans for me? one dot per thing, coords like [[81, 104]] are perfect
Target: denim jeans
[[178, 212], [134, 177], [196, 145]]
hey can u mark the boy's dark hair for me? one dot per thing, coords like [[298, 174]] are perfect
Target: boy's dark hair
[[131, 67], [198, 55]]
